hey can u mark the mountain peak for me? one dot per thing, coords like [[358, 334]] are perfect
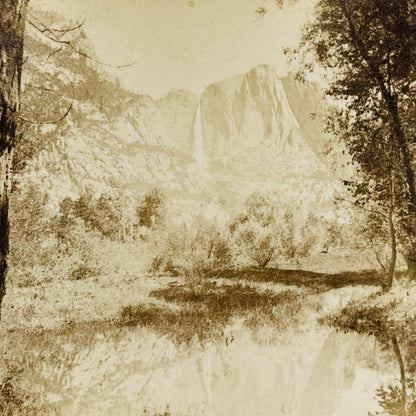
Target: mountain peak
[[263, 69]]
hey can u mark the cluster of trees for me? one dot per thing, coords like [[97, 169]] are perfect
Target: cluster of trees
[[112, 217], [368, 52], [268, 233], [71, 242], [15, 128]]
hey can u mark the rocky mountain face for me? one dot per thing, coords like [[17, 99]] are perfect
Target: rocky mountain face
[[248, 132], [247, 110], [257, 132], [178, 110], [110, 137], [259, 107], [305, 101]]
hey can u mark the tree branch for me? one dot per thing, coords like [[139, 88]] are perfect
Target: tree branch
[[52, 121], [361, 207], [49, 34], [377, 256]]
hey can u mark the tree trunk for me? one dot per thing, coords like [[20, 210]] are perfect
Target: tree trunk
[[405, 152], [410, 180], [393, 243], [392, 102], [12, 27], [411, 261]]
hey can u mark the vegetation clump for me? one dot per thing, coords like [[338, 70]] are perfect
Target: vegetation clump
[[207, 308]]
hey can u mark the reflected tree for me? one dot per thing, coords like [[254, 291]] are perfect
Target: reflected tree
[[398, 339]]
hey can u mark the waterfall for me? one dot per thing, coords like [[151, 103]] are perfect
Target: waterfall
[[199, 153]]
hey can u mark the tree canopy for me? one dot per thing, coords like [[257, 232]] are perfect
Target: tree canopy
[[368, 51]]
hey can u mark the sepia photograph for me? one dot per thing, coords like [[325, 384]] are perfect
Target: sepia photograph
[[208, 207]]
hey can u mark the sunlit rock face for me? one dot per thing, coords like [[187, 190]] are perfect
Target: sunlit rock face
[[246, 111], [251, 137], [110, 136], [307, 105], [178, 110], [246, 133], [134, 149], [147, 121]]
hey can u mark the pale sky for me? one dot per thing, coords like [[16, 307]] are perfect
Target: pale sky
[[182, 43]]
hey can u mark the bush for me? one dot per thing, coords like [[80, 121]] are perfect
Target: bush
[[268, 233], [189, 251], [258, 243], [151, 211]]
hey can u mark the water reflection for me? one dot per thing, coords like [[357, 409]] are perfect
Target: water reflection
[[393, 325], [398, 397], [317, 373]]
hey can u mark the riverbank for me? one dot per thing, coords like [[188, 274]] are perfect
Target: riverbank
[[164, 346], [52, 303]]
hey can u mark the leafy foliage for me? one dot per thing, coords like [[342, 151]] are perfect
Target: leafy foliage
[[368, 50], [390, 318], [151, 210], [267, 232], [190, 250]]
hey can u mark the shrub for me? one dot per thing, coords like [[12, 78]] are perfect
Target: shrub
[[267, 233], [190, 250], [259, 243], [29, 226], [102, 214], [46, 247], [151, 211]]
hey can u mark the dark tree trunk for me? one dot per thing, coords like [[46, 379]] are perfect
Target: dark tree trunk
[[409, 174], [392, 232], [12, 28], [411, 261], [405, 152], [393, 248]]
